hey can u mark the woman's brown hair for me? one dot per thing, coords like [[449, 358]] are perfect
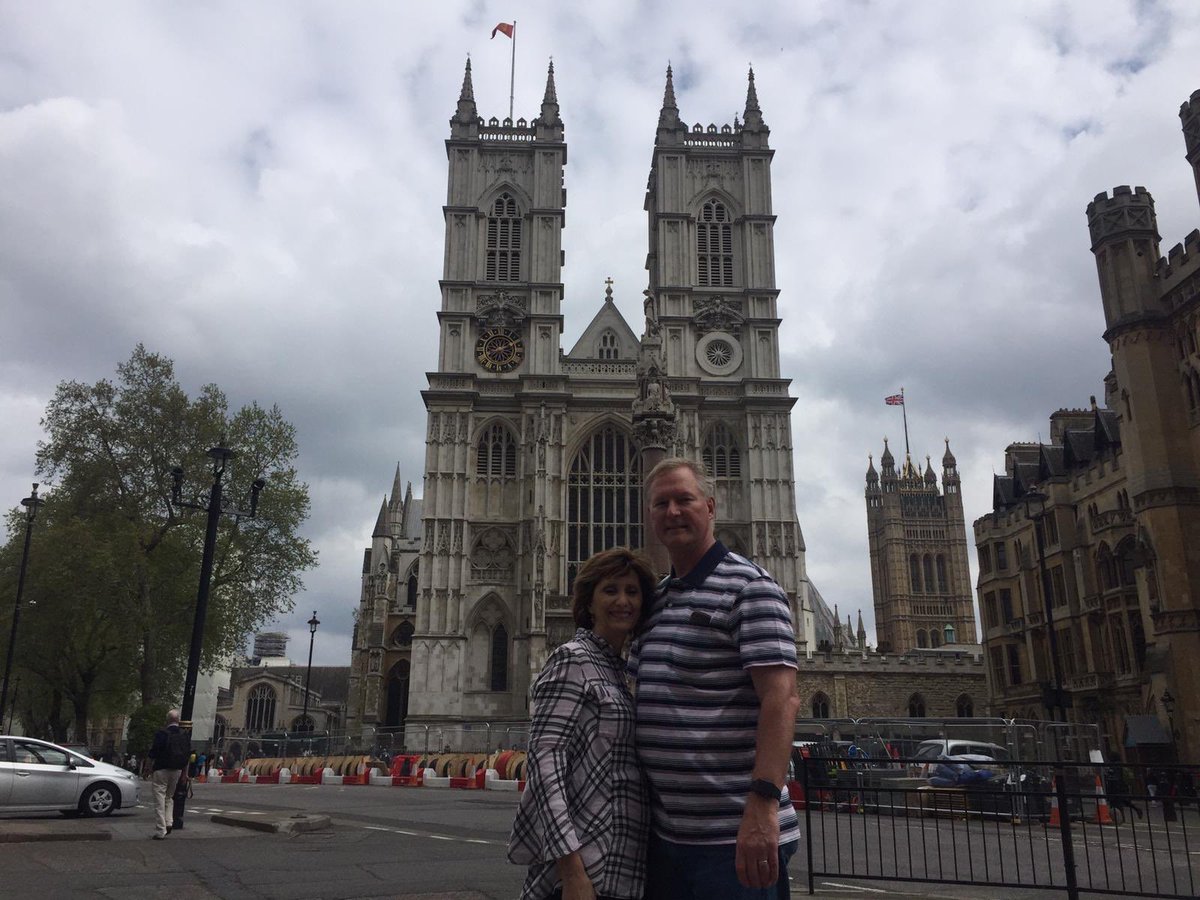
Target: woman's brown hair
[[612, 564]]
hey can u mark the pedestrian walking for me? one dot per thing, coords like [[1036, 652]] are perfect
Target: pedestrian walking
[[169, 753]]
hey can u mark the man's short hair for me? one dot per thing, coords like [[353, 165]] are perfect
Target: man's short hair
[[612, 564], [671, 463], [172, 717]]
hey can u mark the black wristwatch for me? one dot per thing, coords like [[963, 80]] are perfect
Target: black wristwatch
[[765, 789]]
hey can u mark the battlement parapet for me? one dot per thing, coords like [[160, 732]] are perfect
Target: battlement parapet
[[1128, 212], [857, 661], [1189, 115]]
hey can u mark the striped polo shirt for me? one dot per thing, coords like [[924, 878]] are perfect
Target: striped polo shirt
[[697, 710]]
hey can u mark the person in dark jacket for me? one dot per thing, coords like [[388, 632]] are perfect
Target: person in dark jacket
[[167, 769]]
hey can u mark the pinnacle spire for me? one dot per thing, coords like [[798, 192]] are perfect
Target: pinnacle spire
[[751, 95], [395, 498], [466, 116], [752, 119], [551, 95], [468, 89], [381, 524], [550, 117], [668, 116]]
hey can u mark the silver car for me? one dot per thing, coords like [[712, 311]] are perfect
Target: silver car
[[39, 776]]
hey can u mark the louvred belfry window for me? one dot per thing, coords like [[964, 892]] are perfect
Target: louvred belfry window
[[714, 245], [721, 455], [497, 453], [504, 241]]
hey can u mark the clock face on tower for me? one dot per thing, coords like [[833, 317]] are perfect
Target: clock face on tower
[[499, 349]]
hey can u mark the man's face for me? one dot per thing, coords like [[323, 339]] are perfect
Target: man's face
[[682, 517]]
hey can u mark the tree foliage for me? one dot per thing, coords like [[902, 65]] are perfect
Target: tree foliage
[[114, 568]]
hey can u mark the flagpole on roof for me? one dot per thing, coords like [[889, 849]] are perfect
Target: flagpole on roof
[[904, 412], [512, 72]]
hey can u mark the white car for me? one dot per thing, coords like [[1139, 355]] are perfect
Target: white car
[[38, 776], [955, 750]]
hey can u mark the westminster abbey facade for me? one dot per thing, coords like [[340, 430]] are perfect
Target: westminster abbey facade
[[535, 456]]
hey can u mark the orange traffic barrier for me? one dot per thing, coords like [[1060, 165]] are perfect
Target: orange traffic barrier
[[1103, 814], [1054, 814]]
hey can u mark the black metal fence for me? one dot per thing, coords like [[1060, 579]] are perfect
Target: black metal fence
[[1067, 826]]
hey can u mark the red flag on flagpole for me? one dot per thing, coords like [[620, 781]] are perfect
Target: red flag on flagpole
[[894, 400], [503, 28]]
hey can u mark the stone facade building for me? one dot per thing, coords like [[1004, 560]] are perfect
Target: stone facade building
[[535, 456], [920, 576], [1111, 508]]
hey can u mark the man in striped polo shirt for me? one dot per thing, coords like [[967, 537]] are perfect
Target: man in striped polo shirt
[[716, 707]]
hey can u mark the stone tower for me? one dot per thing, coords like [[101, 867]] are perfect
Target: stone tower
[[1152, 314], [534, 457], [918, 543], [711, 265]]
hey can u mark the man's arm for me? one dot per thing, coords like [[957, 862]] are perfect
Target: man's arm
[[758, 836]]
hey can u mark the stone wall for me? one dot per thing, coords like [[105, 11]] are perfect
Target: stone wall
[[879, 685]]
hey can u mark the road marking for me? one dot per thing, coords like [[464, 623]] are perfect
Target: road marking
[[431, 835], [854, 887]]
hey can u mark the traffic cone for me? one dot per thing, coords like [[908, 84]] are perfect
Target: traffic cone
[[1054, 816], [1103, 815]]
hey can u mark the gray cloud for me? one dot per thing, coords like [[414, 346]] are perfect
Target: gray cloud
[[256, 190]]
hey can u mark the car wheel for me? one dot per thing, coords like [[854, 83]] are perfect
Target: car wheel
[[98, 800]]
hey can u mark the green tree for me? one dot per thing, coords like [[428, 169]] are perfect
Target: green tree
[[115, 566]]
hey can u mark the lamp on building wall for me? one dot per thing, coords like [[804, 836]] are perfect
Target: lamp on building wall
[[32, 504], [1035, 511], [1168, 704], [312, 637], [214, 507]]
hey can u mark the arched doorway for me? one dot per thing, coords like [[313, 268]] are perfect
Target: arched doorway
[[397, 694]]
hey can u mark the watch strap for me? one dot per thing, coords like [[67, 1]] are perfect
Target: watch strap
[[767, 789]]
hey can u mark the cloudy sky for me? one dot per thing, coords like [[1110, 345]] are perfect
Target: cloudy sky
[[255, 190]]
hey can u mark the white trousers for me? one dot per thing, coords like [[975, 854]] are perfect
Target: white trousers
[[163, 781]]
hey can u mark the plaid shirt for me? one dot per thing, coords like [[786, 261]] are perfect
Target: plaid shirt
[[584, 790]]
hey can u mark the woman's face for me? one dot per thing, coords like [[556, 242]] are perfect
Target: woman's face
[[616, 607]]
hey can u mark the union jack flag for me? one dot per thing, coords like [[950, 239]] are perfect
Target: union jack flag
[[895, 399]]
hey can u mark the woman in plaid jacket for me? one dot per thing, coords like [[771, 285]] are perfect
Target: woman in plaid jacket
[[583, 821]]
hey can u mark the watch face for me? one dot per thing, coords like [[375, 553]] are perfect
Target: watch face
[[499, 350]]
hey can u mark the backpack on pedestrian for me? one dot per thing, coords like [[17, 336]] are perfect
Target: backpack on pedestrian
[[179, 748]]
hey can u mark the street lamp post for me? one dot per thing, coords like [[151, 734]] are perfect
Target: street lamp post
[[214, 507], [1168, 703], [312, 637], [31, 503], [1038, 499]]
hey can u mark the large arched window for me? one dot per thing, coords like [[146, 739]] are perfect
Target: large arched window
[[260, 708], [496, 454], [922, 640], [604, 498], [721, 456], [504, 241], [714, 245], [941, 574], [916, 707], [928, 570], [397, 694], [411, 587], [935, 638], [820, 705], [914, 572], [609, 347]]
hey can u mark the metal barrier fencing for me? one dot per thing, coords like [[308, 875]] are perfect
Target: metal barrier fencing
[[1074, 827]]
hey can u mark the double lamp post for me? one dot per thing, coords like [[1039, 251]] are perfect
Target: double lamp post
[[32, 504]]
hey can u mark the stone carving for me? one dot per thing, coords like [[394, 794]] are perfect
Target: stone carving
[[718, 314], [650, 306], [501, 310], [492, 557]]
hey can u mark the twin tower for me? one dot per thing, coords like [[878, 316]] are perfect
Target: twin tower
[[535, 454]]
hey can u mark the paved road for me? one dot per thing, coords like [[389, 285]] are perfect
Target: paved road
[[409, 843]]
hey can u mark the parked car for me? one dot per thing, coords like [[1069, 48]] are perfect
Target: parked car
[[975, 752], [37, 775]]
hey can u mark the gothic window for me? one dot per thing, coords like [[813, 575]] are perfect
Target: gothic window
[[820, 706], [1120, 649], [303, 724], [721, 455], [499, 673], [714, 245], [604, 500], [914, 573], [928, 570], [941, 574], [260, 709], [497, 452], [403, 635], [1014, 664], [916, 707], [964, 706], [1001, 557], [990, 615], [220, 726], [985, 560], [922, 642], [609, 347], [1137, 637], [397, 694], [935, 638], [1124, 563], [411, 596], [1006, 605], [504, 241]]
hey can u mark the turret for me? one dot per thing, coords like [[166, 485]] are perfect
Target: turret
[[465, 122], [1189, 115], [930, 477], [549, 123], [887, 464], [754, 129], [872, 475], [670, 127], [1125, 239], [862, 633], [950, 479], [381, 523]]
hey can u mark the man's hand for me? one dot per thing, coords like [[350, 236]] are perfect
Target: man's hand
[[575, 882], [757, 855]]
